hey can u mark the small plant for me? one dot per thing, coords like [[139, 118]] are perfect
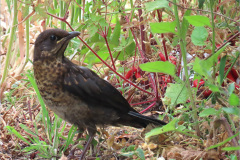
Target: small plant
[[131, 151]]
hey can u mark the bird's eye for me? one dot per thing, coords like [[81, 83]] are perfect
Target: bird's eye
[[53, 37]]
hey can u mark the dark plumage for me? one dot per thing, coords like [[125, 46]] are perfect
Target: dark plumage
[[77, 94]]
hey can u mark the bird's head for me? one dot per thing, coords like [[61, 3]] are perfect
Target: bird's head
[[52, 43]]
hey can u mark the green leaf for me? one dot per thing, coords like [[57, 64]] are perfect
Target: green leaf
[[27, 129], [128, 154], [177, 93], [130, 48], [140, 153], [103, 23], [200, 4], [207, 112], [92, 59], [198, 21], [197, 67], [116, 34], [234, 110], [45, 117], [53, 11], [159, 66], [213, 87], [12, 130], [233, 100], [151, 6], [203, 67], [199, 36], [41, 10], [160, 130], [231, 88], [92, 30], [163, 27], [237, 148], [214, 58], [223, 142]]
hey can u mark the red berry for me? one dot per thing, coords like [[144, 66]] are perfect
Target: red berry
[[207, 93], [138, 75], [230, 76], [234, 73], [162, 57], [195, 83], [173, 60]]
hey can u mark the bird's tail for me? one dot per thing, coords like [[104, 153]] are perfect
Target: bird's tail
[[147, 120]]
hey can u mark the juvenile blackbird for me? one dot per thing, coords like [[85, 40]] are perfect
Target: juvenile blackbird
[[77, 94]]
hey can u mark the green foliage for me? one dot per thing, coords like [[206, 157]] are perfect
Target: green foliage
[[209, 111], [233, 100], [95, 21], [114, 39], [159, 66], [170, 127], [198, 21], [151, 6], [224, 142], [130, 151], [199, 36], [47, 148], [203, 67], [163, 27], [176, 94], [234, 111]]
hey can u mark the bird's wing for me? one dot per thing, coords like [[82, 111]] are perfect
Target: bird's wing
[[88, 86]]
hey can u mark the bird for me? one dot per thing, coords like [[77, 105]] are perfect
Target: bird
[[76, 93]]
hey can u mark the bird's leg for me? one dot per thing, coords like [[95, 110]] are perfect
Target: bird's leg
[[87, 146]]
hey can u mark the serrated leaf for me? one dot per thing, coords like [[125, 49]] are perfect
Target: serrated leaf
[[159, 66], [177, 93], [103, 23], [92, 59], [199, 36], [116, 34], [163, 27], [151, 6], [92, 30], [207, 112], [233, 100], [198, 21], [41, 10], [234, 110]]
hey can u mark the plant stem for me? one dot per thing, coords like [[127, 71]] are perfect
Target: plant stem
[[213, 37], [27, 34], [153, 104], [184, 57], [12, 34]]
